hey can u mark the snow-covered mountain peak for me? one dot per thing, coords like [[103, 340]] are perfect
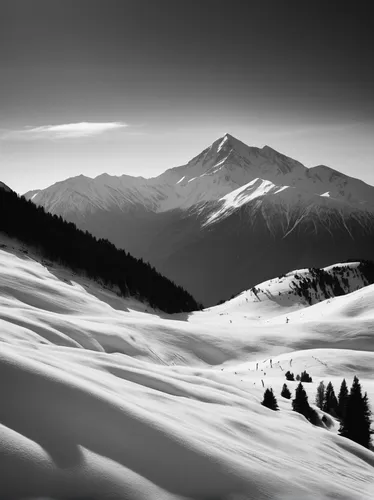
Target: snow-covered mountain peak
[[231, 143], [240, 164], [225, 166], [229, 164], [220, 150]]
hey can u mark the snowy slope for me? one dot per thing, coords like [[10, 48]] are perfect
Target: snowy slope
[[286, 292], [105, 400], [293, 203]]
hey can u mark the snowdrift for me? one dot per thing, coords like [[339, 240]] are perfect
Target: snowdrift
[[103, 400]]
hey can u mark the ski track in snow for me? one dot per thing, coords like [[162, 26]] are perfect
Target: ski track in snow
[[101, 399]]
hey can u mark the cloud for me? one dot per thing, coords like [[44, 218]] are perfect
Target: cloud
[[64, 131]]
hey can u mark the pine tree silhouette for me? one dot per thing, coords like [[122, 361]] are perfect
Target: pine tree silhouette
[[270, 400], [300, 403], [289, 375], [366, 417], [305, 377], [320, 396], [330, 404], [356, 422], [286, 393], [343, 399]]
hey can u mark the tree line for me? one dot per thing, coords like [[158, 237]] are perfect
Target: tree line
[[351, 408], [303, 377], [62, 242], [330, 284]]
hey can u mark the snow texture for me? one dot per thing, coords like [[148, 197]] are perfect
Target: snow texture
[[103, 398]]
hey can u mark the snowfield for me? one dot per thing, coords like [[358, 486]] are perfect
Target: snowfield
[[103, 398]]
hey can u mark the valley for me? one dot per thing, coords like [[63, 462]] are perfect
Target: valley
[[230, 218]]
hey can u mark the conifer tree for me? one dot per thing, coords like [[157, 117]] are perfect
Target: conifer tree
[[305, 377], [331, 403], [286, 393], [270, 400], [342, 399], [289, 376], [356, 422], [366, 417], [300, 403], [320, 396]]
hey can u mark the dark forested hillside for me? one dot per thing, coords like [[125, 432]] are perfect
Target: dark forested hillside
[[62, 242], [320, 284]]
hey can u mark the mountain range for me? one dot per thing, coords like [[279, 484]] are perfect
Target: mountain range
[[98, 376], [231, 217]]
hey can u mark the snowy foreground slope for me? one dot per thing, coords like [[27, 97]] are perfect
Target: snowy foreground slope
[[101, 399]]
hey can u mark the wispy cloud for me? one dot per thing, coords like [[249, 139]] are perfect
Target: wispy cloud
[[64, 131]]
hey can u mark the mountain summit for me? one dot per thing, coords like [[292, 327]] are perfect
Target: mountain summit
[[261, 212], [224, 166]]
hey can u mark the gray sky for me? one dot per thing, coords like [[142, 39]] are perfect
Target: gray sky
[[136, 87]]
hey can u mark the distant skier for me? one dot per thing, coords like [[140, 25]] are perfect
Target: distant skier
[[271, 363], [256, 366], [287, 320]]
